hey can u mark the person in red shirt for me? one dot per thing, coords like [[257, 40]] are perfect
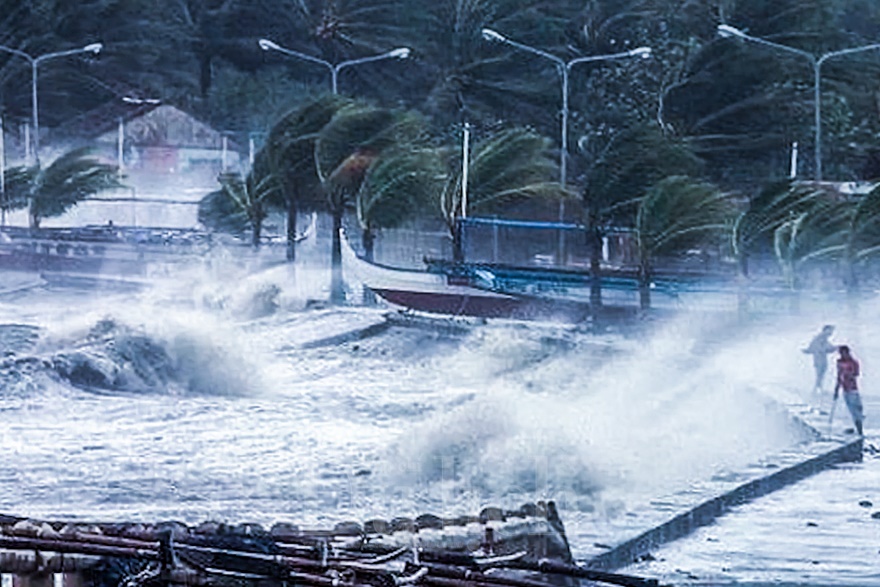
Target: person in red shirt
[[847, 375]]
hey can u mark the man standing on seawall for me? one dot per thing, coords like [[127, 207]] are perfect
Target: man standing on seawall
[[847, 374], [819, 347]]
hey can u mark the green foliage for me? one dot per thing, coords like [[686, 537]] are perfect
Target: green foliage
[[220, 213], [53, 190], [507, 167], [289, 151], [240, 202], [402, 184], [777, 203], [864, 228], [623, 165], [814, 235], [679, 213]]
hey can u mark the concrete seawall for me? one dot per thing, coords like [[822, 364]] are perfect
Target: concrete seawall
[[789, 467]]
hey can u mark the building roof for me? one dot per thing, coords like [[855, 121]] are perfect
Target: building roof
[[101, 120], [167, 126], [145, 125]]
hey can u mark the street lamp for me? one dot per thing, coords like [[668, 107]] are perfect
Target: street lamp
[[399, 53], [564, 68], [120, 146], [120, 143], [93, 48], [728, 31]]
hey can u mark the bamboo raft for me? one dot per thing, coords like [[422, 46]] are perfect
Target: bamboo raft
[[497, 548]]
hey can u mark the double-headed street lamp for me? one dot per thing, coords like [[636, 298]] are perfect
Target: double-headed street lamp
[[93, 48], [729, 31], [564, 69], [399, 53]]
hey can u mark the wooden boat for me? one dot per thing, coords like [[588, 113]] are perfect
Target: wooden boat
[[440, 292], [492, 290]]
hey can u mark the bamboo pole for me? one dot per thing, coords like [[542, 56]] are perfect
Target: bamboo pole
[[71, 546], [17, 563]]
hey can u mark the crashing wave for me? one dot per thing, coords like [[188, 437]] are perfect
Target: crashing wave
[[114, 357]]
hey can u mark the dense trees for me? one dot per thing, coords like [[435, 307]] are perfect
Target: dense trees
[[720, 111], [740, 106]]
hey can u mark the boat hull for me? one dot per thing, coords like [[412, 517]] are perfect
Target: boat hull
[[480, 306], [437, 293]]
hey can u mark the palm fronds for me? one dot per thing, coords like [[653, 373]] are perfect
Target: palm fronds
[[508, 167]]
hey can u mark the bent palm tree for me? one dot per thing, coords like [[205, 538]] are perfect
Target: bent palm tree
[[509, 166], [769, 223], [399, 185], [53, 190], [621, 168], [289, 155], [240, 203], [862, 241], [812, 235], [676, 214], [345, 149], [773, 206]]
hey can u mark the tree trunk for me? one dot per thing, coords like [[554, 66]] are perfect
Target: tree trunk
[[742, 287], [291, 231], [368, 240], [594, 235], [205, 72], [256, 227], [645, 284], [457, 242], [337, 288], [851, 283]]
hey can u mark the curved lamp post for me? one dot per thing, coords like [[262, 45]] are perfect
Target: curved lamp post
[[728, 31], [399, 53], [93, 48], [564, 69]]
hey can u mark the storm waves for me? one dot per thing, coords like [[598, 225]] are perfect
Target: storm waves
[[236, 400]]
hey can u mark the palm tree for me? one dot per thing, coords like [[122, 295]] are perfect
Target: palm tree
[[507, 167], [340, 30], [817, 234], [346, 148], [289, 155], [399, 185], [777, 204], [51, 191], [621, 166], [676, 214], [862, 242], [239, 203]]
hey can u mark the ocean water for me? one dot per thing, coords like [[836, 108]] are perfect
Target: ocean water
[[225, 393]]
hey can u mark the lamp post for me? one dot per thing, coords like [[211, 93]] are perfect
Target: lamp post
[[121, 131], [120, 148], [93, 48], [564, 69], [399, 53], [728, 31]]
